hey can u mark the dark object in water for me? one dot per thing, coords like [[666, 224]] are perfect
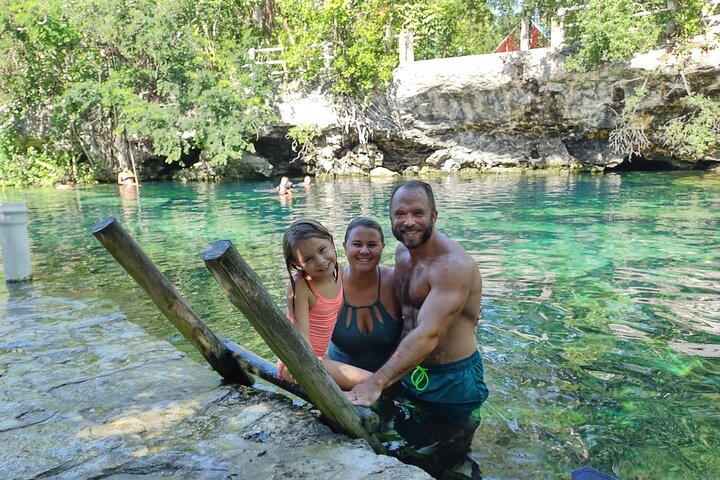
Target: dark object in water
[[589, 473], [424, 435]]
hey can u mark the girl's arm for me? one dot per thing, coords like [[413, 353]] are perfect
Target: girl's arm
[[298, 304], [299, 315]]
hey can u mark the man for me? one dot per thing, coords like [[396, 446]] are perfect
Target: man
[[438, 286]]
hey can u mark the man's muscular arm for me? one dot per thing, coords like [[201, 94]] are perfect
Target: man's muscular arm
[[450, 282]]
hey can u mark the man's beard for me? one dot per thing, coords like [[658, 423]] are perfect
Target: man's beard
[[417, 241]]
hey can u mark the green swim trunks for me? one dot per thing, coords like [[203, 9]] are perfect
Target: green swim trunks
[[456, 389]]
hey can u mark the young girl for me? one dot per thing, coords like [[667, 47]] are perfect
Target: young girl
[[315, 295]]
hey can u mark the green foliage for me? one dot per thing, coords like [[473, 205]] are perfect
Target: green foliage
[[22, 165], [612, 30], [693, 135], [97, 77], [302, 139], [169, 75], [450, 28], [687, 17], [361, 38], [338, 40]]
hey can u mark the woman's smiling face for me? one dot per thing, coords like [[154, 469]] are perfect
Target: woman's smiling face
[[316, 257], [363, 248]]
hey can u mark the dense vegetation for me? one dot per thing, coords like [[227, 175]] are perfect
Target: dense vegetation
[[95, 78], [87, 85]]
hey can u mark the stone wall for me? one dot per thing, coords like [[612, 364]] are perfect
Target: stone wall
[[514, 110]]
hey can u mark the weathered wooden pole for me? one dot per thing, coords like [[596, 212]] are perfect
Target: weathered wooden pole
[[244, 289], [525, 28], [140, 267], [251, 363], [260, 367]]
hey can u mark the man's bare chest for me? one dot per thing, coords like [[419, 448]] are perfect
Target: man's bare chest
[[412, 284]]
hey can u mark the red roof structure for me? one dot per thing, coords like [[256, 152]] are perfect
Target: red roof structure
[[539, 37]]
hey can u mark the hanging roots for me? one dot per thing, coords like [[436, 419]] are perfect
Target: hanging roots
[[629, 139]]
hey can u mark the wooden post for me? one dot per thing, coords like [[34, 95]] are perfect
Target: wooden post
[[406, 47], [409, 46], [268, 371], [132, 258], [244, 289]]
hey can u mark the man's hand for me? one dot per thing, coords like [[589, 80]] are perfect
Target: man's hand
[[363, 394]]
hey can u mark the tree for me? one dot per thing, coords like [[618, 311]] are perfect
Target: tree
[[111, 76]]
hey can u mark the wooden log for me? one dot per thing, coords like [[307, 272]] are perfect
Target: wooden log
[[260, 367], [140, 267], [244, 289]]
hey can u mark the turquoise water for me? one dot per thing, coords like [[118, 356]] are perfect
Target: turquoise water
[[601, 311]]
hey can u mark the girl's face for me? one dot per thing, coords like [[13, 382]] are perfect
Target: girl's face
[[316, 257], [363, 248]]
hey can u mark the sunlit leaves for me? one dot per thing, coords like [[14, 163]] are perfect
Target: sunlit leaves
[[694, 134], [611, 30], [170, 75]]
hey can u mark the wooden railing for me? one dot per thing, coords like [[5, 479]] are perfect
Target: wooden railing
[[264, 56], [273, 56]]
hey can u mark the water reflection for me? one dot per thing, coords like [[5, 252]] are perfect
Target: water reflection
[[601, 308], [130, 200]]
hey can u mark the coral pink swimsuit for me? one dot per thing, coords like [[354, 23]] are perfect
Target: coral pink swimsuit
[[323, 316]]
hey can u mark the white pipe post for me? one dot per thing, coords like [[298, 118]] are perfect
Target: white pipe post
[[14, 242], [402, 49], [410, 46], [557, 30], [524, 30]]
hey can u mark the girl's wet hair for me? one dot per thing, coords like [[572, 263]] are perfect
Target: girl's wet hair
[[298, 231], [364, 222]]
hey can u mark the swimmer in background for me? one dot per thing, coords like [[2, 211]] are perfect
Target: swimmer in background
[[284, 186], [126, 177]]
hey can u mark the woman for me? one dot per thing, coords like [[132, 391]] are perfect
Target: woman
[[368, 327], [126, 177]]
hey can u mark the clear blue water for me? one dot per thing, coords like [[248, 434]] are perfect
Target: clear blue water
[[601, 311]]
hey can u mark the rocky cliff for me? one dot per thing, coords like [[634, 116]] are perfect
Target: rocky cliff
[[515, 110]]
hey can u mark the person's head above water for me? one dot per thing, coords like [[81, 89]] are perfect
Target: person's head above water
[[415, 185], [366, 223], [309, 249], [364, 243], [413, 213]]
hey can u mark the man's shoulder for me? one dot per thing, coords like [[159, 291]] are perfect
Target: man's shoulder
[[452, 258], [449, 262]]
